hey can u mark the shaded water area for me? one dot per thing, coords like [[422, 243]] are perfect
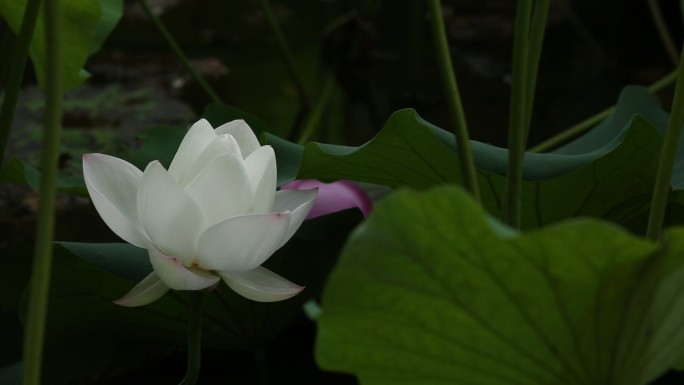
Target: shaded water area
[[381, 58]]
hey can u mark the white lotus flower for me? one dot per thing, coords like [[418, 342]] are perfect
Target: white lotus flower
[[215, 214]]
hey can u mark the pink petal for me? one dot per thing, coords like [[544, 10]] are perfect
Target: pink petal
[[333, 197]]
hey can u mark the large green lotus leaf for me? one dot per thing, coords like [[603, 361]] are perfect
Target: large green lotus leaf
[[616, 186], [405, 147], [428, 292], [85, 24], [608, 182]]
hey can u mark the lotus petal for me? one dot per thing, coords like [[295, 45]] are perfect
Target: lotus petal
[[169, 216], [176, 276], [150, 289], [334, 197], [222, 189], [299, 202], [261, 169], [195, 141], [242, 133], [260, 285], [242, 243], [113, 185], [221, 146]]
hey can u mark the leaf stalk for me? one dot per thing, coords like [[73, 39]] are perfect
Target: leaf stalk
[[529, 30], [456, 112], [667, 158], [42, 262]]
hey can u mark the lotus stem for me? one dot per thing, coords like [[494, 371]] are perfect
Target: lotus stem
[[584, 126], [194, 339], [457, 115], [517, 131], [667, 158], [42, 262], [180, 54], [16, 72]]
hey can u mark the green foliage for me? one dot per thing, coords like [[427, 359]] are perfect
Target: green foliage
[[428, 292], [85, 26]]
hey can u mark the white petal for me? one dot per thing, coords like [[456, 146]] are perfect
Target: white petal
[[299, 202], [150, 289], [113, 185], [261, 169], [190, 149], [261, 285], [169, 216], [221, 146], [242, 133], [242, 243], [178, 277], [222, 190]]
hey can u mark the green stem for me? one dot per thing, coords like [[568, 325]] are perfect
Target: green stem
[[40, 277], [286, 52], [517, 133], [194, 339], [663, 32], [667, 158], [457, 114], [313, 120], [583, 126], [180, 54], [16, 73]]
